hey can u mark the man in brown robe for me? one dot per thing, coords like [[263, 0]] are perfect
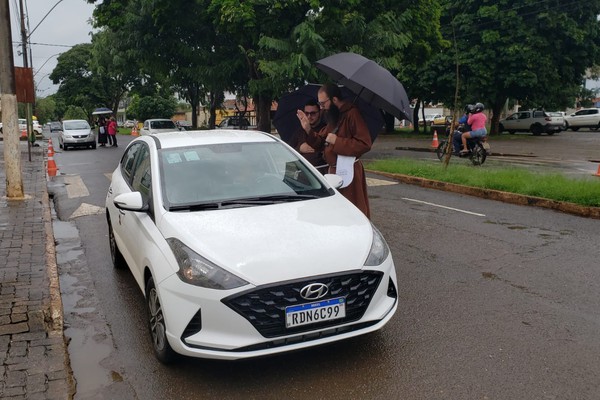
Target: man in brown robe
[[346, 134], [298, 140]]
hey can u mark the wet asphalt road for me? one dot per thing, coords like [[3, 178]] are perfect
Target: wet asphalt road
[[496, 301]]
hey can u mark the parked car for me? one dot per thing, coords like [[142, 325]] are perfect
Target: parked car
[[242, 248], [55, 126], [158, 125], [184, 125], [234, 123], [23, 126], [129, 124], [584, 118], [76, 133], [441, 123], [429, 119], [534, 121]]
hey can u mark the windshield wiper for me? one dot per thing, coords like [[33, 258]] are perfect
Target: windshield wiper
[[196, 207], [278, 198]]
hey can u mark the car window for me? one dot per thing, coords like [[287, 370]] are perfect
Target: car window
[[141, 176], [162, 125], [128, 160], [214, 173], [72, 125]]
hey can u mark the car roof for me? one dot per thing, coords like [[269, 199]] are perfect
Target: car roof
[[71, 120], [205, 137], [158, 119]]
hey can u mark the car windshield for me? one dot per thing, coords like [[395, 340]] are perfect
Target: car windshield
[[55, 126], [162, 125], [72, 125], [235, 175]]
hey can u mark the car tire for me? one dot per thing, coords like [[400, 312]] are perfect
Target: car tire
[[500, 128], [537, 130], [156, 323], [574, 128], [93, 146], [117, 259], [65, 148], [511, 132], [551, 133]]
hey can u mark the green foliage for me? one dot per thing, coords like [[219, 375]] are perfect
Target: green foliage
[[514, 180], [143, 108], [45, 109], [75, 112]]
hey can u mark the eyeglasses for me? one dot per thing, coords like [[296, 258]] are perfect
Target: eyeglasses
[[322, 103], [311, 113]]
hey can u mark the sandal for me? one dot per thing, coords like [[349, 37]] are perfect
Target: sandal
[[463, 152]]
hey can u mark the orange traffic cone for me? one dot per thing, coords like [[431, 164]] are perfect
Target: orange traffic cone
[[52, 168], [24, 134], [134, 131], [435, 142], [50, 148], [597, 172]]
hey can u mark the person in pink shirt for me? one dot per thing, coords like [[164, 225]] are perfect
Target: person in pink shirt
[[476, 121], [112, 132]]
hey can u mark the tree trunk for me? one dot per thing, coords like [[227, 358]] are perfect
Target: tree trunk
[[496, 112], [416, 116], [263, 113]]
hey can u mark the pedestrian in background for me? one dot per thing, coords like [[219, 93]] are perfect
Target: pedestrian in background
[[102, 134], [112, 132]]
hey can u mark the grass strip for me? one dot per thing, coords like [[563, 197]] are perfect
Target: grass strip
[[585, 192]]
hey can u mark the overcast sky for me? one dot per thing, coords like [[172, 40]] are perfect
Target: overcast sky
[[66, 25]]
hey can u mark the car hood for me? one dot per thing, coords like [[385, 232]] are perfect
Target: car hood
[[76, 131], [278, 242], [164, 130]]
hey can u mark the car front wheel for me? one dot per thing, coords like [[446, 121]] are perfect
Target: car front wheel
[[115, 254], [156, 322]]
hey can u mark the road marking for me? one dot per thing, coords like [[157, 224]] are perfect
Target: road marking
[[109, 176], [87, 209], [447, 208], [75, 186], [379, 182]]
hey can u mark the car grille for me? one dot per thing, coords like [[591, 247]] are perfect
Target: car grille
[[80, 136], [264, 307]]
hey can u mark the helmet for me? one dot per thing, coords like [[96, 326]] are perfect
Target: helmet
[[469, 108], [479, 107]]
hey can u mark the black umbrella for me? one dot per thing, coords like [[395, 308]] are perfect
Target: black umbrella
[[369, 80], [287, 123]]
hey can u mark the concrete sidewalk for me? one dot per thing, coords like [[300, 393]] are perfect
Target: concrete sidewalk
[[35, 361]]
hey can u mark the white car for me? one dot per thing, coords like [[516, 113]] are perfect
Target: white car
[[584, 118], [158, 125], [76, 133], [242, 248]]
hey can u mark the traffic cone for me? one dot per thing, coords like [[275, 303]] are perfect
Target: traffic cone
[[50, 148], [597, 172], [435, 142], [134, 131], [24, 134], [52, 168]]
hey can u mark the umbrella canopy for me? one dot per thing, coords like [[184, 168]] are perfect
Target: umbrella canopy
[[286, 121], [102, 110], [373, 83]]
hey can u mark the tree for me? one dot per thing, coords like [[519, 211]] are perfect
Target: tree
[[152, 107], [531, 51], [46, 109], [75, 112]]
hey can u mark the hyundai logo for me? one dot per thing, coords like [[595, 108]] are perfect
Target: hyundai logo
[[314, 291]]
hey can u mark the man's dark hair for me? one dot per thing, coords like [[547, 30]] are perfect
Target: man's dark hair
[[312, 102], [331, 90]]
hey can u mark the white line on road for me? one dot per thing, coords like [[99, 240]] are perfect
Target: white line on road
[[447, 208], [75, 187]]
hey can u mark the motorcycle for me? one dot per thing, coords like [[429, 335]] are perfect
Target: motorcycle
[[478, 148]]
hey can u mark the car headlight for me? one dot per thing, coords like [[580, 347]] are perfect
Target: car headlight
[[379, 249], [197, 270]]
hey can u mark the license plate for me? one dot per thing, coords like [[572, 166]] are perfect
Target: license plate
[[311, 313]]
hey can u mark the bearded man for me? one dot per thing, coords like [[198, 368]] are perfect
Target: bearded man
[[346, 134]]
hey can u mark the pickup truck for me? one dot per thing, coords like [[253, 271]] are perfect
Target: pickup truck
[[234, 123], [584, 118], [534, 121]]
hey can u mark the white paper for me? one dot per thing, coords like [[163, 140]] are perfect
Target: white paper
[[345, 169]]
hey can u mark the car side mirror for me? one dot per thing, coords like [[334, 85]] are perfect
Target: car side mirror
[[130, 202], [333, 180]]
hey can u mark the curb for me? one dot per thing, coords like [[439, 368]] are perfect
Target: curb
[[491, 194], [490, 154]]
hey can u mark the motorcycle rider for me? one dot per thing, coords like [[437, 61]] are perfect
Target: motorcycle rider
[[462, 121], [477, 122]]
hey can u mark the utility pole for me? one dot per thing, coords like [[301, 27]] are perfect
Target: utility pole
[[10, 126], [28, 108]]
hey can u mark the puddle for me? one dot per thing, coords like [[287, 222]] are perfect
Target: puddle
[[90, 342]]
